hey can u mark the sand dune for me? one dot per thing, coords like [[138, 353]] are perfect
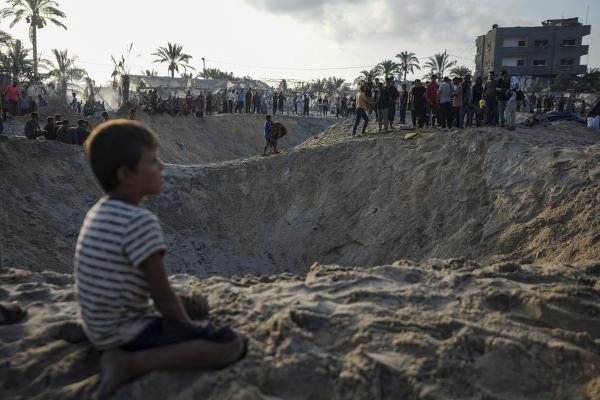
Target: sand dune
[[444, 329], [485, 194], [519, 321]]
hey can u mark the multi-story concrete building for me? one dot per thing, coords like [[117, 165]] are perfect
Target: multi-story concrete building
[[536, 54]]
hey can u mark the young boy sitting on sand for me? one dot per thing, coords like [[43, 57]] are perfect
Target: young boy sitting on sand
[[119, 267]]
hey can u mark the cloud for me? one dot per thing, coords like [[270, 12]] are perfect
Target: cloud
[[444, 21]]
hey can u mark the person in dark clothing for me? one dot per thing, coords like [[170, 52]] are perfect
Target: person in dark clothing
[[248, 101], [403, 103], [306, 105], [502, 89], [394, 95], [32, 127], [419, 101], [208, 103], [383, 104], [467, 111], [491, 102], [281, 101], [477, 95], [275, 100], [50, 129], [82, 132]]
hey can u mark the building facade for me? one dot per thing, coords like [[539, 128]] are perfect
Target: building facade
[[536, 54]]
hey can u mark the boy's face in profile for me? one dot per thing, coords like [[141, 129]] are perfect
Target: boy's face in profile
[[149, 172]]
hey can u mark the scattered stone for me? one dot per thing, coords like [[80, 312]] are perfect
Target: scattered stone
[[11, 313]]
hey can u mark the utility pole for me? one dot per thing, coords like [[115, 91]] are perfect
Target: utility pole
[[204, 67]]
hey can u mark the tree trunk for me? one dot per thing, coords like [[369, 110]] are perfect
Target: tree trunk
[[34, 43], [125, 79], [173, 73], [63, 88]]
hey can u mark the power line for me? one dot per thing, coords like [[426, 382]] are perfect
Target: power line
[[289, 68]]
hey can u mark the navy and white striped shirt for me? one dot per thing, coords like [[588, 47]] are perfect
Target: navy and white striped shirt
[[113, 294]]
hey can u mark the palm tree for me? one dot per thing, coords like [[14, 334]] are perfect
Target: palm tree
[[173, 54], [149, 72], [16, 62], [4, 38], [121, 70], [215, 73], [440, 63], [408, 62], [333, 83], [318, 85], [63, 70], [90, 88], [368, 76], [388, 67], [37, 14], [461, 71]]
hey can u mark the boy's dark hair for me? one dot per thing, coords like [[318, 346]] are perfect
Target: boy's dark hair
[[115, 144], [50, 119], [268, 117]]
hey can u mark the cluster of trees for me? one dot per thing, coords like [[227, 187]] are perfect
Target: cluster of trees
[[20, 63], [439, 65]]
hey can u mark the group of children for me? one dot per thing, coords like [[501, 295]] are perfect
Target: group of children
[[60, 129]]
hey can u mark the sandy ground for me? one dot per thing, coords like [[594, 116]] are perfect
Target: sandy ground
[[517, 322], [486, 194], [215, 138], [437, 330]]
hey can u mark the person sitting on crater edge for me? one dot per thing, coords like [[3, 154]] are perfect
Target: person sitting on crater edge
[[119, 266]]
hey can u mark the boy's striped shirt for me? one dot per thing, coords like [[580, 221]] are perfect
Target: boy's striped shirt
[[113, 294]]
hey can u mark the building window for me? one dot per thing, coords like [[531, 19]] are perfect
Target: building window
[[568, 42], [567, 62], [513, 62], [540, 44], [514, 42], [539, 63]]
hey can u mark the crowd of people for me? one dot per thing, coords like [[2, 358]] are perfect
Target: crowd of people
[[457, 102], [60, 129], [241, 101]]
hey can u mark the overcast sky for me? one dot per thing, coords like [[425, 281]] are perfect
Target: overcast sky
[[293, 39]]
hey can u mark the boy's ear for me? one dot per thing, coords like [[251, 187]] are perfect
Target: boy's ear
[[125, 175]]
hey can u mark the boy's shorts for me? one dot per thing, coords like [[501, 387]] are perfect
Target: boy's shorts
[[163, 332]]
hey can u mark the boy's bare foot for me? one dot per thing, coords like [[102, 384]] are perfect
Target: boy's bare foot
[[113, 372]]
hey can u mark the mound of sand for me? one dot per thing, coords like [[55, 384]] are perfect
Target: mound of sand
[[486, 194], [436, 330], [216, 138]]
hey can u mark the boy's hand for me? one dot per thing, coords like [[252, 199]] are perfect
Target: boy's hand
[[164, 298]]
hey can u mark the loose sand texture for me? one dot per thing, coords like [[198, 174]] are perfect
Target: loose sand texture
[[457, 265], [442, 329], [214, 138], [530, 195]]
